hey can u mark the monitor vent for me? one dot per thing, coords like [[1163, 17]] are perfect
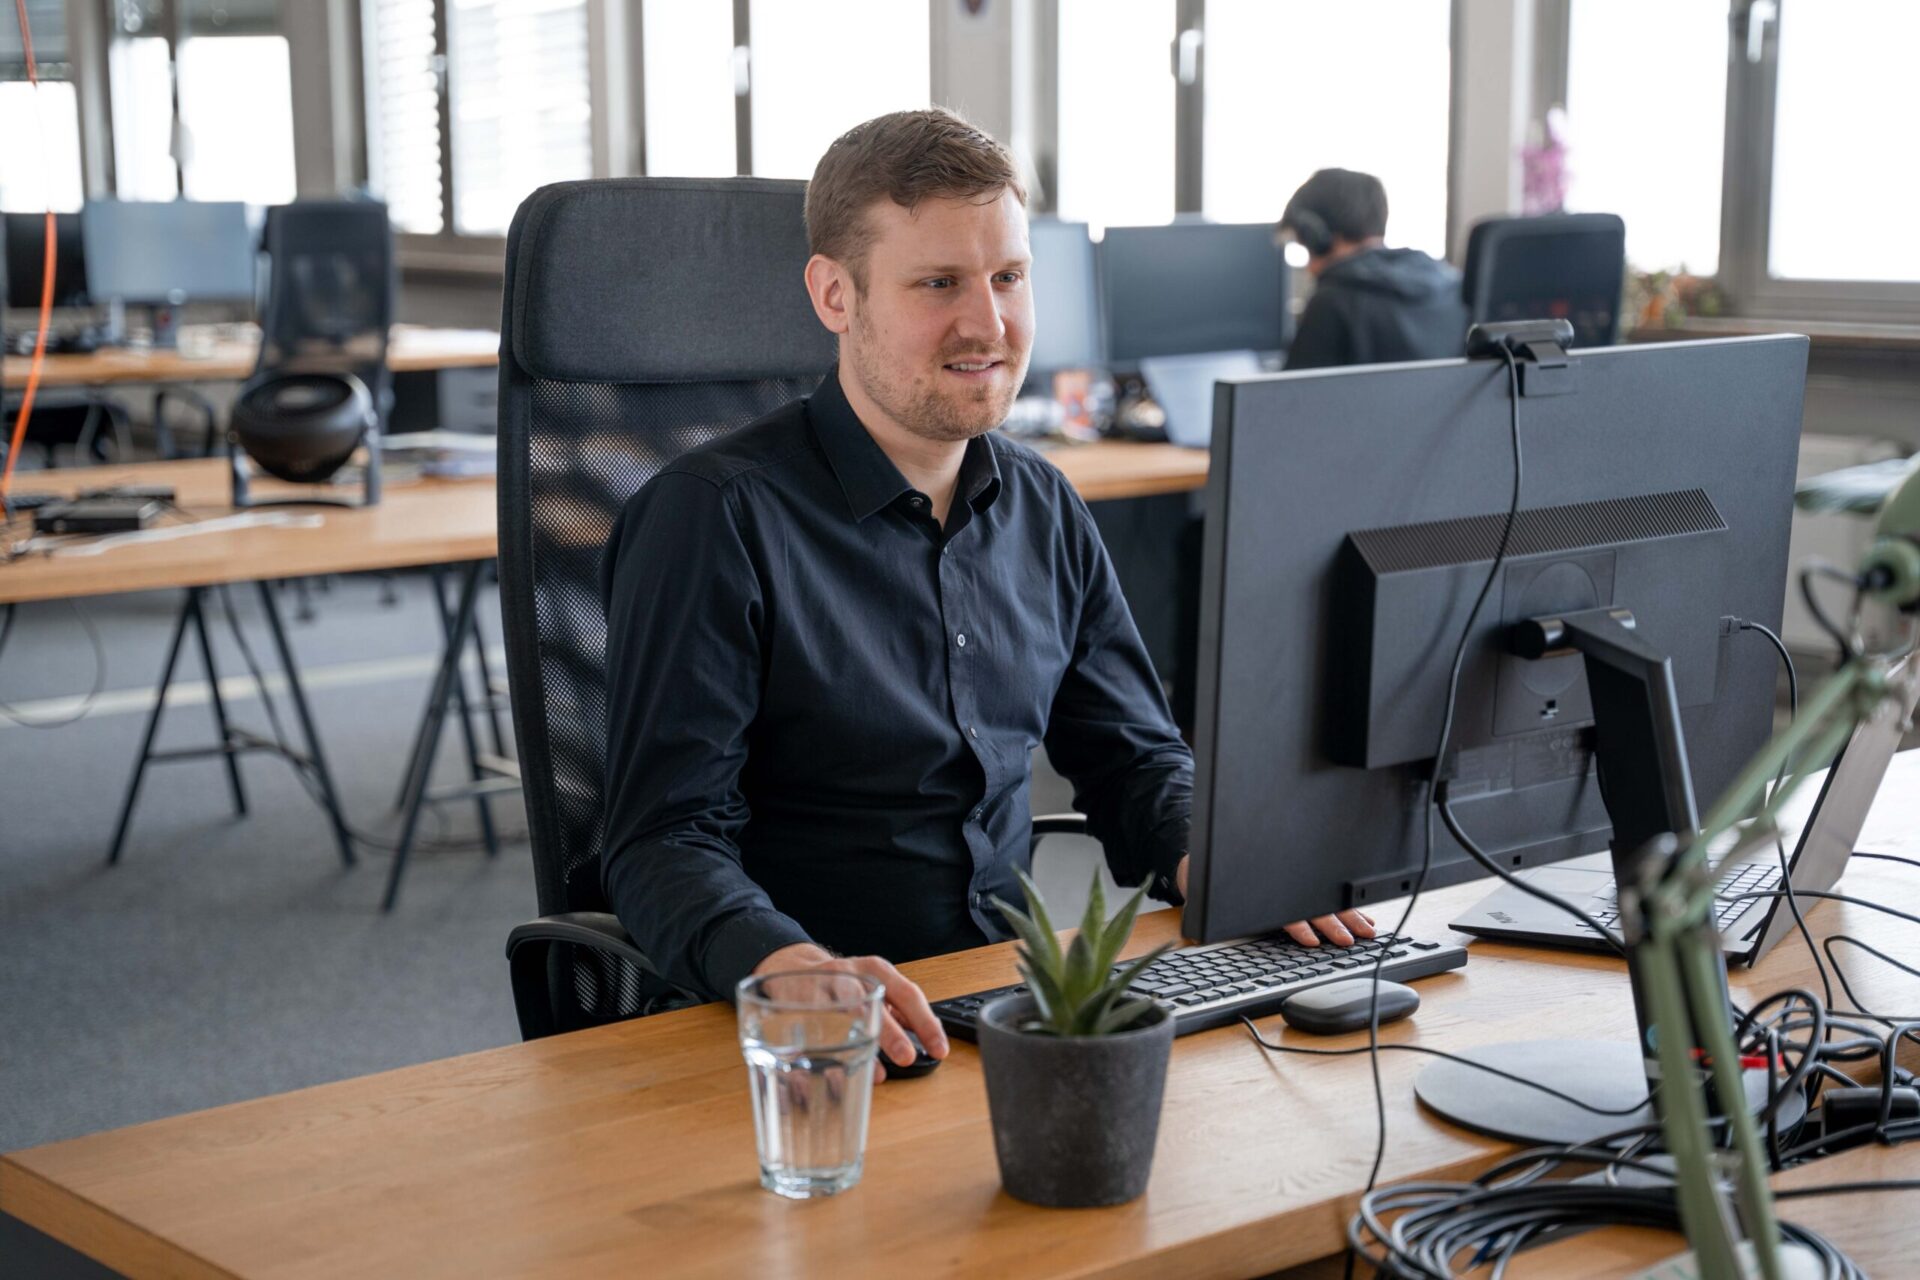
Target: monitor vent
[[1472, 539]]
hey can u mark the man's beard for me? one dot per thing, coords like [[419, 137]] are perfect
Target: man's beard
[[920, 405]]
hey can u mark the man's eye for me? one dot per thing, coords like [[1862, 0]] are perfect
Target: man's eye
[[940, 282], [1011, 277]]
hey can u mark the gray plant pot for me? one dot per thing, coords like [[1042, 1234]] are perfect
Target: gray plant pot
[[1074, 1117]]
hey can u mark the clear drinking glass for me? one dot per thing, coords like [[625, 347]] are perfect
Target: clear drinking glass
[[809, 1038]]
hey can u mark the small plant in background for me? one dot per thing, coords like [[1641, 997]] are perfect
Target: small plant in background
[[1076, 990]]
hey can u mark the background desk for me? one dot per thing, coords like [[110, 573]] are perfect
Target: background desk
[[413, 349], [630, 1147]]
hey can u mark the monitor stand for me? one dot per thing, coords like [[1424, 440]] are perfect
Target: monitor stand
[[1648, 788]]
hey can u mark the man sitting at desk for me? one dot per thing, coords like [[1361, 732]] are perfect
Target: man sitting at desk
[[1370, 304], [835, 637]]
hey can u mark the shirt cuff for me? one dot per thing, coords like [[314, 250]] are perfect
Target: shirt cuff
[[1169, 846], [740, 943]]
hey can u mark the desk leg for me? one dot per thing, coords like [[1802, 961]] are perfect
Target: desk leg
[[231, 748], [436, 721], [456, 641], [188, 612], [292, 670]]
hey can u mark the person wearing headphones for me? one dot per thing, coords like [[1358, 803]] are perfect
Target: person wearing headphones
[[1370, 304]]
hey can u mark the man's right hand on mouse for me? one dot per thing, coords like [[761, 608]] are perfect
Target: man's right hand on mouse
[[906, 1004]]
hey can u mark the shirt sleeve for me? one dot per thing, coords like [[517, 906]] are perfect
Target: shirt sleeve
[[1320, 341], [1111, 735], [684, 627]]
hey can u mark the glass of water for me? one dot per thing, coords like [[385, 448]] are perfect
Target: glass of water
[[809, 1038]]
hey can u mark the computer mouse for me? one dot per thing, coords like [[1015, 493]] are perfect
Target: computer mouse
[[1337, 1007], [923, 1062]]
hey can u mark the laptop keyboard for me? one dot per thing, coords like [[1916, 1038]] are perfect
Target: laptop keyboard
[[1755, 877], [1218, 983]]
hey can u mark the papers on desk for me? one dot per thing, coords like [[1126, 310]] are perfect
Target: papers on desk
[[443, 453]]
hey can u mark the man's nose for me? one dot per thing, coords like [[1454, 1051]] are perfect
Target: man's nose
[[980, 319]]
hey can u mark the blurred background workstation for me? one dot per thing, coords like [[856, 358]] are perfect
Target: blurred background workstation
[[262, 823]]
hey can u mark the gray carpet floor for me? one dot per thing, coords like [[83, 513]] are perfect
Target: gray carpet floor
[[226, 958]]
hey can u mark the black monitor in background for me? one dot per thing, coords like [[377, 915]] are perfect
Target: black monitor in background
[[1562, 266], [1066, 300], [1352, 517], [1190, 287], [165, 254], [26, 260]]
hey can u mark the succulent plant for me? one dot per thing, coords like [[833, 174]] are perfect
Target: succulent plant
[[1076, 989]]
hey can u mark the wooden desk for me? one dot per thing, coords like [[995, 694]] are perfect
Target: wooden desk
[[411, 349], [420, 523], [1878, 1230], [629, 1149]]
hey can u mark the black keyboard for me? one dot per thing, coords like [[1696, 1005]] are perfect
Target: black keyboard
[[1212, 985]]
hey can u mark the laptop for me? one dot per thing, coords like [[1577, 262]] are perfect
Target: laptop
[[1750, 927], [1183, 388]]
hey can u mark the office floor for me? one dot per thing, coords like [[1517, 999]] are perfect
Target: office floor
[[229, 958]]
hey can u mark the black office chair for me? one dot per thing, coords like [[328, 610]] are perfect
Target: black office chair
[[330, 292], [642, 317], [1561, 266]]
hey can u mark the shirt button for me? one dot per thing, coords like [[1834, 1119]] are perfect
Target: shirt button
[[973, 730], [946, 547], [975, 815], [917, 501], [961, 639]]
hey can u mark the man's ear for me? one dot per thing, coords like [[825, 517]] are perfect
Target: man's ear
[[830, 286]]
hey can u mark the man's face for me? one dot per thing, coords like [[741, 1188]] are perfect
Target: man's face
[[940, 337]]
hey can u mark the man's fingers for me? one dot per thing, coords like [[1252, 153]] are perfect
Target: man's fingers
[[894, 1045], [909, 1004], [1333, 931], [1359, 922], [1302, 932]]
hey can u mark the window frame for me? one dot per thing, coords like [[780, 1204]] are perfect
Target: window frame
[[1746, 210], [1746, 183]]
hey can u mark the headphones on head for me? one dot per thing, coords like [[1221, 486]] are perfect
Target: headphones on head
[[1309, 228]]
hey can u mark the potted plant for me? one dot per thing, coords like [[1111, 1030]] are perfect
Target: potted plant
[[1075, 1065]]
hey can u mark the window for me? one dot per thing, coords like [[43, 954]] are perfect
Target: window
[[225, 66], [39, 128], [1277, 109], [819, 69], [1846, 194], [1116, 96], [520, 103], [510, 78], [1669, 194], [236, 119], [402, 72], [688, 78]]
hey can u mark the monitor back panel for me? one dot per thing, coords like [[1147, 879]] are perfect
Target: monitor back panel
[[1300, 460]]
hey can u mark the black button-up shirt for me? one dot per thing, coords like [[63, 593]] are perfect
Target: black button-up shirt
[[822, 705]]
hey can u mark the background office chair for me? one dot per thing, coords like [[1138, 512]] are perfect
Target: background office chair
[[642, 317], [1560, 266]]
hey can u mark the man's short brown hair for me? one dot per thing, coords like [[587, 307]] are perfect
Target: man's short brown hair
[[905, 157]]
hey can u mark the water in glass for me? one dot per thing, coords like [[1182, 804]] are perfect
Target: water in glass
[[809, 1039]]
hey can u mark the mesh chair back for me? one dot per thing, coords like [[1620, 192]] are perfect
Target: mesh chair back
[[330, 291], [642, 317]]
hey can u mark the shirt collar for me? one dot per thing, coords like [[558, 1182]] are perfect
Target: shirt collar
[[867, 475]]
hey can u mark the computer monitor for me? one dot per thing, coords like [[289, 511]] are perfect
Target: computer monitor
[[1352, 516], [26, 260], [164, 254], [1192, 286], [1066, 302], [1563, 266]]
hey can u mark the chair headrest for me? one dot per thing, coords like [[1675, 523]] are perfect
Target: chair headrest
[[624, 280]]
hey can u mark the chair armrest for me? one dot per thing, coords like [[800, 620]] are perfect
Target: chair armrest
[[539, 993], [1054, 824]]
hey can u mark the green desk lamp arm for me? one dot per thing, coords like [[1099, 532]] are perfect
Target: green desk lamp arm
[[1678, 950]]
